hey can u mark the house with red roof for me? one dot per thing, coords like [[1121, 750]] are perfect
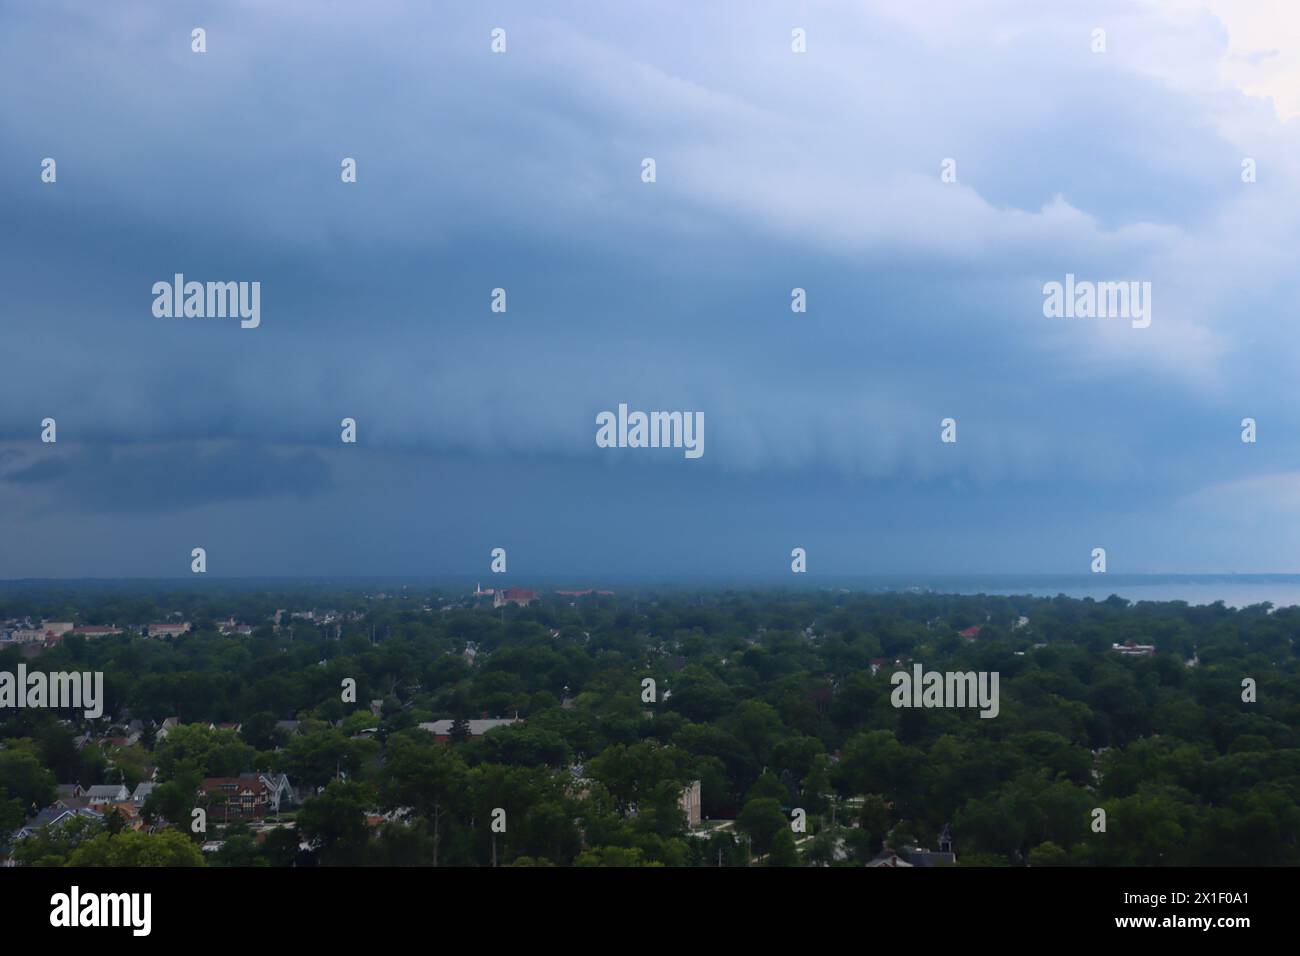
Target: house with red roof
[[520, 596], [95, 630]]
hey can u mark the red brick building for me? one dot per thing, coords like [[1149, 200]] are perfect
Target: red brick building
[[520, 596], [247, 796]]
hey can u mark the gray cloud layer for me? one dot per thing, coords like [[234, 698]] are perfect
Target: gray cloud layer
[[522, 171]]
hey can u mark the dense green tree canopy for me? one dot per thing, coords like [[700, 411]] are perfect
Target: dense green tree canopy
[[773, 700]]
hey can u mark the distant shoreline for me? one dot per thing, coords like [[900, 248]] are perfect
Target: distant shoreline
[[1233, 590]]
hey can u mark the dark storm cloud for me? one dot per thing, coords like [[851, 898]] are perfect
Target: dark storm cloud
[[522, 171], [169, 478]]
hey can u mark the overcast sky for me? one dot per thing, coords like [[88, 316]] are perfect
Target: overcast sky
[[775, 170]]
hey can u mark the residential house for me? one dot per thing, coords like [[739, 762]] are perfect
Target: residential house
[[690, 803], [54, 816], [243, 796], [441, 729], [250, 795], [106, 793], [578, 786], [282, 795], [169, 630], [68, 791], [1129, 649], [130, 814], [920, 856]]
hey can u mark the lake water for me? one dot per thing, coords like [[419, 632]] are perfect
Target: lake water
[[1240, 590]]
